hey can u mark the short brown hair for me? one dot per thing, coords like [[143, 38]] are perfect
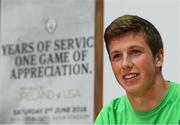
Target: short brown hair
[[136, 24]]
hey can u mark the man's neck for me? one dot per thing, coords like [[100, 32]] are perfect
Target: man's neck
[[150, 99]]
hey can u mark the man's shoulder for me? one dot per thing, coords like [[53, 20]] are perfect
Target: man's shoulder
[[109, 111], [116, 104], [175, 87]]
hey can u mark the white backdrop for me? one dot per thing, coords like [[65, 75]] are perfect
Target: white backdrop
[[165, 15]]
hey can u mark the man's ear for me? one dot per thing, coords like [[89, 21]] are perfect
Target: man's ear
[[159, 58]]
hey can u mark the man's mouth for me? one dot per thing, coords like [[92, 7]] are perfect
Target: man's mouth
[[130, 76]]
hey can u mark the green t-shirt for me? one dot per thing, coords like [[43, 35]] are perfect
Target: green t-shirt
[[120, 111]]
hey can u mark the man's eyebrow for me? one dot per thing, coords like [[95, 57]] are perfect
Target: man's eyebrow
[[135, 47], [114, 52]]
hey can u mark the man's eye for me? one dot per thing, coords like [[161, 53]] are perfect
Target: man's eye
[[116, 57], [135, 52]]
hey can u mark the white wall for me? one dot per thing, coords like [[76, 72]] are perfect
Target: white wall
[[165, 15]]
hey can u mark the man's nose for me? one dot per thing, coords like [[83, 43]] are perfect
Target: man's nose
[[127, 62]]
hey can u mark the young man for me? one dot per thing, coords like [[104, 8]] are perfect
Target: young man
[[136, 53]]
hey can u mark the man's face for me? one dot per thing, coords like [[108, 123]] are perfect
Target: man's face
[[133, 64]]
